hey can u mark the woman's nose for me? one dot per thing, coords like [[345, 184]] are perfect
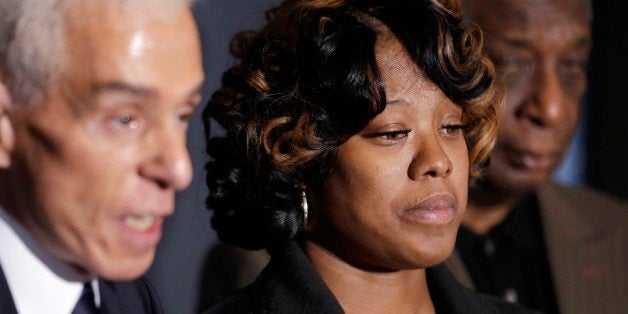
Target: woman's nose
[[430, 160]]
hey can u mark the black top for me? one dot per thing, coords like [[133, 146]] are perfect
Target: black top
[[6, 301], [510, 262], [290, 284]]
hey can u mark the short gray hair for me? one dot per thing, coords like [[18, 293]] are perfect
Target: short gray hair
[[32, 42]]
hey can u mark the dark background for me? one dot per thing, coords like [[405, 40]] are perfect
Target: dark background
[[607, 118], [176, 272]]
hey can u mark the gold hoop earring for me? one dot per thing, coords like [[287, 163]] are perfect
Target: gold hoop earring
[[304, 207]]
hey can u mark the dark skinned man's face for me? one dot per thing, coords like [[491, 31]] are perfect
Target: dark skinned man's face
[[541, 49]]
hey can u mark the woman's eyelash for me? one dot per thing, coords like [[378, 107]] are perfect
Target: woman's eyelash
[[455, 127], [391, 134]]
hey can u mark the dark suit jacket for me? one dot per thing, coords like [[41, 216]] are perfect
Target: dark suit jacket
[[586, 236], [290, 284], [135, 297]]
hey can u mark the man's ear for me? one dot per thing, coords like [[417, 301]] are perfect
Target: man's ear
[[7, 136]]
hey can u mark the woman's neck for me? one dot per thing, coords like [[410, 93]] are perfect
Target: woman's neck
[[366, 291]]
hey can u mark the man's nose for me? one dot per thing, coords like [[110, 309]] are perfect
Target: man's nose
[[547, 105], [169, 164]]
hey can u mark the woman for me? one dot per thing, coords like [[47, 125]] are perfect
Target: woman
[[352, 129]]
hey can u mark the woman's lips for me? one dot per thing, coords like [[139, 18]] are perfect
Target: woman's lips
[[439, 209]]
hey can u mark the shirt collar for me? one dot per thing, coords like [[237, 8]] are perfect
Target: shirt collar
[[522, 227], [34, 274]]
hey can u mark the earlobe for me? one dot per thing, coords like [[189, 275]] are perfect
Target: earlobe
[[6, 129]]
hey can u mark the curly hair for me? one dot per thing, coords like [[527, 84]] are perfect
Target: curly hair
[[308, 81]]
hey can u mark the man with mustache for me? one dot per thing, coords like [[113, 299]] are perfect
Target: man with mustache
[[94, 102], [524, 239]]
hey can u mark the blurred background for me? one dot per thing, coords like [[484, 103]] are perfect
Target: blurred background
[[598, 156]]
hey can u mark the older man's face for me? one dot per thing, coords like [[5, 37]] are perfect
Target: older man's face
[[96, 163], [541, 48]]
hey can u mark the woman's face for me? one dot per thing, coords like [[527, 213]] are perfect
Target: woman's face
[[396, 194]]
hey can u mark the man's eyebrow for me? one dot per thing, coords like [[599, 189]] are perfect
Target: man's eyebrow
[[523, 43], [125, 88], [520, 43]]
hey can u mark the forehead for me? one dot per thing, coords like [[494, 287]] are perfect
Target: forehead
[[398, 71], [116, 44], [534, 17]]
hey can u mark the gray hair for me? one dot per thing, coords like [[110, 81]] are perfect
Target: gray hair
[[31, 46], [32, 41]]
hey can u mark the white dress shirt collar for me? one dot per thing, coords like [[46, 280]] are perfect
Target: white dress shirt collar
[[39, 283]]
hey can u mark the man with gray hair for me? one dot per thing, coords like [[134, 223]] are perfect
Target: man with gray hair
[[524, 239], [94, 102]]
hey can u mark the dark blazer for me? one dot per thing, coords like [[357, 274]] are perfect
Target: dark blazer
[[290, 284], [586, 235], [134, 297]]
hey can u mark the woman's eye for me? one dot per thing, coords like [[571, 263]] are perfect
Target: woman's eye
[[392, 135], [453, 128]]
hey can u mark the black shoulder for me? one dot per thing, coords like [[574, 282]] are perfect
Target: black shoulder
[[246, 300], [449, 296], [502, 306], [136, 296]]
